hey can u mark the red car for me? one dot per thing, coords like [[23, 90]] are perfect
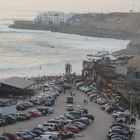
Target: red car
[[34, 113], [71, 128], [12, 136]]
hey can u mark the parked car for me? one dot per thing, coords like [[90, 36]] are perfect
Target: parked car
[[69, 100], [83, 120], [12, 136], [51, 126], [69, 107], [71, 128], [66, 134], [18, 116], [43, 110], [9, 119], [24, 135], [34, 113], [36, 131], [2, 122], [91, 117], [21, 107], [30, 133], [27, 116], [49, 103], [4, 138], [45, 137], [56, 135], [79, 125]]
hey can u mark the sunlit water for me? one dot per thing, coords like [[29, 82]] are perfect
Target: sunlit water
[[33, 53]]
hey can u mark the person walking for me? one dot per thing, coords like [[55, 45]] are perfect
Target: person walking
[[84, 101], [134, 120]]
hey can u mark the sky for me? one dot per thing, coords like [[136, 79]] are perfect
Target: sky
[[30, 8]]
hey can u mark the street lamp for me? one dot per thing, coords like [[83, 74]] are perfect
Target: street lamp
[[130, 106], [131, 94]]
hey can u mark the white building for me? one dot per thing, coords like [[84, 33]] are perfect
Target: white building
[[121, 70], [51, 17]]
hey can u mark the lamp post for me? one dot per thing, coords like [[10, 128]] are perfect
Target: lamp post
[[4, 126], [130, 106]]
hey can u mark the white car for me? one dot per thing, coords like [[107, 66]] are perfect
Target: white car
[[121, 119], [56, 135], [116, 114], [45, 137], [51, 126], [69, 107]]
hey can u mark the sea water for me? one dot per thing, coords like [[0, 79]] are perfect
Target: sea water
[[34, 53]]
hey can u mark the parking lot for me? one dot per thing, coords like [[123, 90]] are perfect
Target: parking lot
[[96, 131]]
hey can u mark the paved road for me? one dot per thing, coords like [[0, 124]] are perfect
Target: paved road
[[96, 131]]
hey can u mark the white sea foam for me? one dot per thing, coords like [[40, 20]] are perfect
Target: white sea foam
[[22, 52]]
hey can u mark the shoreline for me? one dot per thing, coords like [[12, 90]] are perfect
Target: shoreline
[[79, 30]]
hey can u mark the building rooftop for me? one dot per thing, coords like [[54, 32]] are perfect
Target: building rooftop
[[18, 82]]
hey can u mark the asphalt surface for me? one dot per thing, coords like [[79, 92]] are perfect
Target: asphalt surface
[[96, 131]]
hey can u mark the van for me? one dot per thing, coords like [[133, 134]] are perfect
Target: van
[[51, 126], [56, 135]]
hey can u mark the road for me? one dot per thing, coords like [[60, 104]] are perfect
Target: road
[[96, 131]]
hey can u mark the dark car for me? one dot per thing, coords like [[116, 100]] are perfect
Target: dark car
[[9, 119], [26, 116], [84, 121], [49, 103], [120, 136], [70, 117], [83, 111], [79, 125], [110, 109], [18, 117], [30, 133], [4, 138], [66, 134], [76, 114], [44, 111], [37, 132], [24, 135], [2, 122], [69, 100], [21, 107], [91, 117]]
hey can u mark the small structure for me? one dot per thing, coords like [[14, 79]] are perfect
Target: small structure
[[17, 86], [121, 70]]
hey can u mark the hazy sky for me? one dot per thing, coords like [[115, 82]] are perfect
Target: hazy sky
[[16, 8]]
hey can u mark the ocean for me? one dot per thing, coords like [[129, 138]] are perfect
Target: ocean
[[33, 53]]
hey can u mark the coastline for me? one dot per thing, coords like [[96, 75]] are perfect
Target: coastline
[[75, 29]]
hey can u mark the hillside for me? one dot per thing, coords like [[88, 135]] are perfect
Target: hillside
[[127, 22]]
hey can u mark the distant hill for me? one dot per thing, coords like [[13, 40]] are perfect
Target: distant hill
[[127, 22]]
